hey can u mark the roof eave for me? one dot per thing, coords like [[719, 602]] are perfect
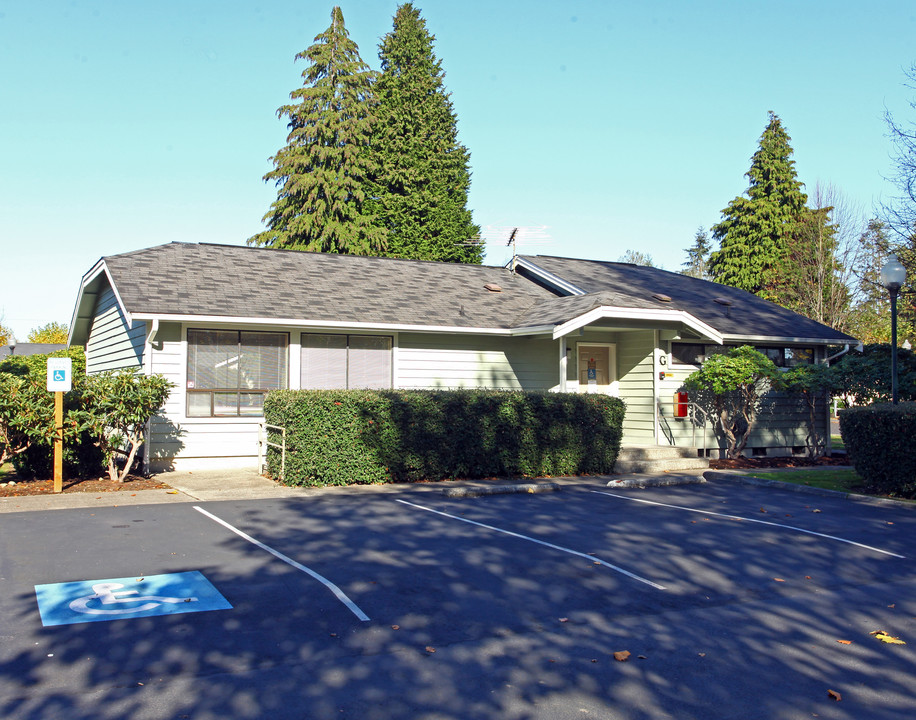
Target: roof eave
[[656, 315]]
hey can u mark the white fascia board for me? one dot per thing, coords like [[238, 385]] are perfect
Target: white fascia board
[[645, 314], [549, 277], [100, 268], [305, 323], [787, 340]]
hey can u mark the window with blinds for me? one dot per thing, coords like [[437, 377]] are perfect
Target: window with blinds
[[230, 371], [340, 362]]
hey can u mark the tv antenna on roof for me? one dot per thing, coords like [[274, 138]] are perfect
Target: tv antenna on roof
[[515, 236]]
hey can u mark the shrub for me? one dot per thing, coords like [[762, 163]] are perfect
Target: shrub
[[340, 437], [731, 385], [27, 413], [879, 441]]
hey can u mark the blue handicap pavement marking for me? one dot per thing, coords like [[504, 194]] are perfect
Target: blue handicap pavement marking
[[123, 598]]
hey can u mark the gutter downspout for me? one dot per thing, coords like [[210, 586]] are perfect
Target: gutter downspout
[[826, 361], [148, 357]]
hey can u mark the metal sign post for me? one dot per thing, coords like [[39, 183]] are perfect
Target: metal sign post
[[60, 380]]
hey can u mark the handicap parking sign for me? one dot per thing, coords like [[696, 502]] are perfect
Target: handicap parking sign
[[125, 598]]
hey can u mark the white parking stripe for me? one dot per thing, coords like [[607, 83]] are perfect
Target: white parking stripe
[[338, 593], [753, 520], [539, 542]]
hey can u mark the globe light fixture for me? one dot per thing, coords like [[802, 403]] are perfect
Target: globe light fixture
[[893, 275]]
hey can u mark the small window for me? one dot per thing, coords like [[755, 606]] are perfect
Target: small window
[[687, 354], [799, 356], [340, 362], [230, 372]]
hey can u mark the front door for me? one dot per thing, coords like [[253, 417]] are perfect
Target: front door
[[597, 369]]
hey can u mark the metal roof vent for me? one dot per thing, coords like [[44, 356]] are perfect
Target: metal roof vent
[[661, 297], [723, 301], [493, 287]]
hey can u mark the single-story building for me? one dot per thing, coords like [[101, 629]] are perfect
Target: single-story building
[[227, 324]]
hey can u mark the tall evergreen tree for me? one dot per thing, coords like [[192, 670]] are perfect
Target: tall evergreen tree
[[422, 186], [697, 264], [323, 171], [755, 229]]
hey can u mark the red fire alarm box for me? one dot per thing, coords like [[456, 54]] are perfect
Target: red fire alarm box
[[680, 404]]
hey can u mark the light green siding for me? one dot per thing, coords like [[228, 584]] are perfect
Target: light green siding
[[112, 343], [636, 373], [458, 361]]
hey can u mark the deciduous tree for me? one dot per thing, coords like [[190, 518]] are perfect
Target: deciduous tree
[[635, 257], [423, 170], [324, 170], [754, 229], [53, 333]]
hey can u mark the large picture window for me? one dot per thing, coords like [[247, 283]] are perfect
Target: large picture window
[[341, 362], [230, 371]]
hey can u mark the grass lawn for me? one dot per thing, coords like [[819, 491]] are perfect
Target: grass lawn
[[843, 480], [836, 442]]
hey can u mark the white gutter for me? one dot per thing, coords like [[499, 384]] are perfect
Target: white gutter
[[771, 339], [346, 325]]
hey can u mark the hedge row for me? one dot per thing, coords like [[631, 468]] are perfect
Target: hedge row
[[881, 442], [342, 437]]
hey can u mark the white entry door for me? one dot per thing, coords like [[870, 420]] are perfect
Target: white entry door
[[598, 369]]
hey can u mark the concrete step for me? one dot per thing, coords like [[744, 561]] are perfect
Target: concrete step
[[656, 452], [658, 458], [652, 466]]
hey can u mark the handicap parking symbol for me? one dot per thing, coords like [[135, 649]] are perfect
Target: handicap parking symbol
[[123, 598]]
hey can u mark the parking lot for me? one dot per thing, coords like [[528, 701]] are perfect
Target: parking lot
[[732, 602]]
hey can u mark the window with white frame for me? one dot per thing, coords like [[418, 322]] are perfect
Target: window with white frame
[[341, 362], [230, 371], [695, 354]]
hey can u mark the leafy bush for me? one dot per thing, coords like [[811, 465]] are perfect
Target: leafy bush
[[104, 416], [879, 441], [115, 408], [731, 384], [341, 437], [27, 417]]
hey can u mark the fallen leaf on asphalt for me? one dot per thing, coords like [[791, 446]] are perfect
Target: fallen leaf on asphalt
[[807, 577], [171, 492], [885, 638], [892, 606], [834, 695], [815, 510], [845, 642], [430, 649], [594, 660], [564, 619], [763, 510], [642, 657], [702, 654], [622, 655], [779, 580], [395, 627]]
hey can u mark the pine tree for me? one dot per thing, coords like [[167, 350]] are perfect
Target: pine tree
[[324, 170], [697, 264], [422, 187], [755, 229]]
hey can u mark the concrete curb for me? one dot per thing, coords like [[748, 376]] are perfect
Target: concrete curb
[[464, 492], [804, 489], [644, 481]]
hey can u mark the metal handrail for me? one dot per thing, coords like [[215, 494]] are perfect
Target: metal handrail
[[697, 416], [264, 443]]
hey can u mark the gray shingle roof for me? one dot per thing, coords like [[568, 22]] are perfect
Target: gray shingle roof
[[231, 281], [627, 285], [237, 281]]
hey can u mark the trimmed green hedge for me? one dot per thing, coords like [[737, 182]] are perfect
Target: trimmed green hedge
[[881, 443], [343, 437]]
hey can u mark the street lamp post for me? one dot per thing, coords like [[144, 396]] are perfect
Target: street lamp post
[[893, 275]]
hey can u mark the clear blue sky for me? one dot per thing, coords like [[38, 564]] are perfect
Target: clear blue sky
[[615, 125]]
